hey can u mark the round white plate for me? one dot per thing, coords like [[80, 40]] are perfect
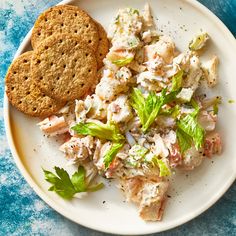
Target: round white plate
[[191, 193]]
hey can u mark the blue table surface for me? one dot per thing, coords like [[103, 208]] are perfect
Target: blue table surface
[[22, 212]]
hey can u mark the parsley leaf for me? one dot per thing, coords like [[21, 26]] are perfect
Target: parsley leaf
[[103, 131], [78, 180], [67, 187]]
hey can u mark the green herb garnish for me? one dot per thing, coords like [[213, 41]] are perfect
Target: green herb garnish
[[67, 187]]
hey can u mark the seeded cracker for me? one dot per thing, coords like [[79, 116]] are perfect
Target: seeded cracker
[[65, 19], [24, 94], [64, 67], [103, 45]]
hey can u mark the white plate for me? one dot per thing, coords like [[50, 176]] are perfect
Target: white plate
[[191, 195]]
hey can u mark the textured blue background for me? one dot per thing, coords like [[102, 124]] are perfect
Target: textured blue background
[[21, 211]]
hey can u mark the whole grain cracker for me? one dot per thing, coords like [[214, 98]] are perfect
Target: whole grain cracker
[[64, 67], [65, 19], [103, 45], [23, 93]]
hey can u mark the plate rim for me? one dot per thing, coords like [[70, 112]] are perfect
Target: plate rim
[[6, 110]]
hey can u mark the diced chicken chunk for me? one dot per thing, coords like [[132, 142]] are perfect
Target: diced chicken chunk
[[78, 149], [211, 71], [127, 22], [207, 120], [80, 111], [159, 149], [119, 110], [175, 157], [137, 67], [153, 199], [156, 66], [131, 188], [100, 159], [165, 48], [148, 35], [192, 158], [147, 16], [150, 81], [194, 74], [54, 125], [126, 42], [109, 87], [96, 108], [183, 61], [213, 144], [165, 121], [185, 94], [148, 194], [124, 75]]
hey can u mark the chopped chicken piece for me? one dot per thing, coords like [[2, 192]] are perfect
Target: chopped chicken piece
[[165, 121], [185, 95], [213, 144], [159, 149], [80, 111], [96, 108], [78, 149], [211, 71], [148, 35], [109, 87], [147, 16], [103, 150], [207, 120], [124, 75], [131, 188], [165, 48], [64, 110], [151, 82], [126, 42], [135, 66], [118, 54], [171, 70], [97, 151], [119, 110], [148, 194], [127, 22], [194, 74], [192, 158], [153, 195], [54, 125], [175, 157], [183, 61], [156, 66]]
